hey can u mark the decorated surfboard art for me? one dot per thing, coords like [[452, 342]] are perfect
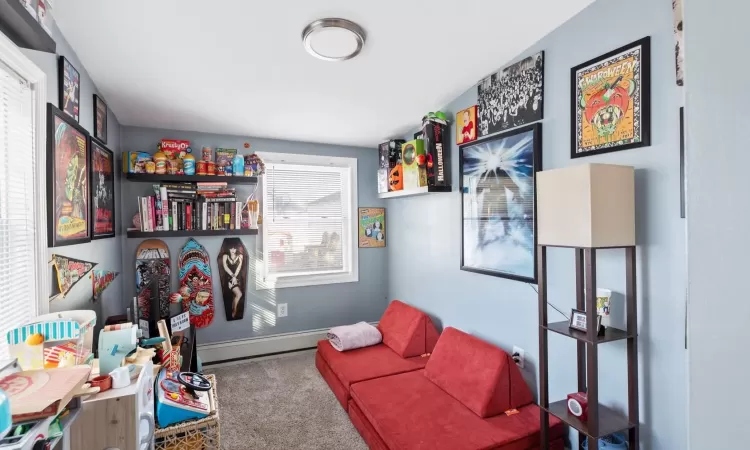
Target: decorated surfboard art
[[232, 263], [195, 273], [152, 262]]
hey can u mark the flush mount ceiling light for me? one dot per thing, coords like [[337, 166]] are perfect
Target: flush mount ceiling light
[[333, 39]]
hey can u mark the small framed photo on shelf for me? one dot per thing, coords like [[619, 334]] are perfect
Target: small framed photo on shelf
[[578, 320]]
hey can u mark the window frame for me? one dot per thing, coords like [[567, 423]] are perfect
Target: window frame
[[263, 281], [14, 58]]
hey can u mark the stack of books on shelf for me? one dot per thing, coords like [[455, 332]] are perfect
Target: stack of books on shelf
[[192, 206]]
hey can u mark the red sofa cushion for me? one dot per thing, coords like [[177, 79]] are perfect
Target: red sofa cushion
[[409, 412], [366, 363], [406, 330], [476, 373], [521, 431]]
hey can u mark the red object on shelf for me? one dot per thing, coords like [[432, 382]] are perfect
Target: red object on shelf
[[578, 405]]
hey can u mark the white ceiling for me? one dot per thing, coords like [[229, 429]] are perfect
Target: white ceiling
[[239, 67]]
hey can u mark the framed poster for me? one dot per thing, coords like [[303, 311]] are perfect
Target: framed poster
[[466, 125], [498, 204], [67, 180], [102, 191], [371, 227], [69, 88], [100, 119], [610, 96], [512, 97]]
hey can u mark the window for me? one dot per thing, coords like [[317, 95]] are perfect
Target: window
[[309, 221], [22, 228]]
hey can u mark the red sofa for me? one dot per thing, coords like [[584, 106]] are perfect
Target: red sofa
[[408, 337]]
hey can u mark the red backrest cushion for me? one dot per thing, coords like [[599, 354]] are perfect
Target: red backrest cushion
[[476, 373], [407, 331]]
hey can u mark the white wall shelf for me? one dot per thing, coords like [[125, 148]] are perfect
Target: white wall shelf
[[417, 191]]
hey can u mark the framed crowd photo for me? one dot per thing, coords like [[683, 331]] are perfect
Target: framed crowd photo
[[611, 101], [68, 211], [102, 190], [100, 119], [69, 88], [466, 125], [512, 97], [498, 204], [371, 227]]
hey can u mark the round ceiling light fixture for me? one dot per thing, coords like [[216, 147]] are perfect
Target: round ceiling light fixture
[[333, 39]]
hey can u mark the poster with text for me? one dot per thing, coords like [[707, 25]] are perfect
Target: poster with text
[[371, 227], [611, 108], [69, 87], [102, 191], [67, 180]]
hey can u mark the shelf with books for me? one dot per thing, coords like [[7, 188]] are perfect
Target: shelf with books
[[191, 233], [167, 178]]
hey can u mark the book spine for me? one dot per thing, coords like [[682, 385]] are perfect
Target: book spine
[[174, 216], [203, 215], [152, 212], [188, 216], [164, 208], [157, 205], [238, 215], [140, 211]]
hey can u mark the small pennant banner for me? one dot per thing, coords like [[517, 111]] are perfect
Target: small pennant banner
[[100, 279], [68, 272]]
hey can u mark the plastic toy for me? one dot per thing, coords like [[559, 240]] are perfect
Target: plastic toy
[[181, 396], [414, 173], [395, 178], [160, 159]]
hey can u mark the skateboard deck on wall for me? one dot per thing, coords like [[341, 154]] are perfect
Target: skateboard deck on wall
[[195, 273], [152, 263], [232, 263]]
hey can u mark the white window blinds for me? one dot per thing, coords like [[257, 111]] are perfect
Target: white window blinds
[[18, 190], [307, 220]]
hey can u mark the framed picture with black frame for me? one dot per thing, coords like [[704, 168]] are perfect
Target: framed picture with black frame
[[611, 101], [100, 119], [68, 88], [68, 211], [102, 188], [498, 204]]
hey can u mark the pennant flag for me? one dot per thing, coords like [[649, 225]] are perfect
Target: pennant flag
[[68, 272], [100, 279]]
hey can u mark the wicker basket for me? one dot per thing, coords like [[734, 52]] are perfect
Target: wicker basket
[[202, 434]]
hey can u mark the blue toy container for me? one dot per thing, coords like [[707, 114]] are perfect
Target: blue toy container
[[615, 441]]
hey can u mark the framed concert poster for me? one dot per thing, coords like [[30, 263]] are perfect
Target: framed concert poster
[[102, 191], [498, 204], [67, 180], [511, 97], [100, 119], [69, 88], [611, 101]]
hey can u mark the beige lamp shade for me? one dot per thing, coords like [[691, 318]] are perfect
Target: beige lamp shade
[[590, 205]]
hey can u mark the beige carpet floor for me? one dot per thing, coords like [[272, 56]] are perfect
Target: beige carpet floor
[[281, 404]]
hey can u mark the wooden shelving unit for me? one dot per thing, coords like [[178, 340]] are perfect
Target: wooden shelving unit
[[414, 192], [191, 233], [18, 24], [167, 178], [602, 421]]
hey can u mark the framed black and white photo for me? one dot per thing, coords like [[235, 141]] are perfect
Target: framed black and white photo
[[578, 320], [498, 204], [511, 97], [100, 119], [69, 88]]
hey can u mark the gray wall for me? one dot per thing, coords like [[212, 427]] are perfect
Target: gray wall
[[718, 222], [425, 233], [309, 307], [107, 252]]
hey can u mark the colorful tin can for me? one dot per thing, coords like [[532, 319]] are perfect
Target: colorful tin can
[[188, 164], [210, 168], [200, 167], [207, 154]]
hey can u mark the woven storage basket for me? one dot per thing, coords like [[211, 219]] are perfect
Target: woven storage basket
[[202, 434]]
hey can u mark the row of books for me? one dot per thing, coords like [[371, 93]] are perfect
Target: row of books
[[188, 206]]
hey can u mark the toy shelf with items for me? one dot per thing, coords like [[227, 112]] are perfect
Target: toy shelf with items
[[156, 178], [133, 234], [54, 340], [417, 167]]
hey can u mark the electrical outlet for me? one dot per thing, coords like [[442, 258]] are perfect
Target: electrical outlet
[[281, 310], [519, 356]]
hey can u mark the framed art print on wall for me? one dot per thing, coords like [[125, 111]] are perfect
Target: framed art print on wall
[[69, 88], [611, 101], [466, 125], [102, 190], [371, 227], [100, 119], [498, 204], [68, 212]]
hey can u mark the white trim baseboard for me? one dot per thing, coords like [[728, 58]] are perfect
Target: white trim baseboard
[[249, 348]]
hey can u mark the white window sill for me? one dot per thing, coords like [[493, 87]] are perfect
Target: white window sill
[[306, 280]]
